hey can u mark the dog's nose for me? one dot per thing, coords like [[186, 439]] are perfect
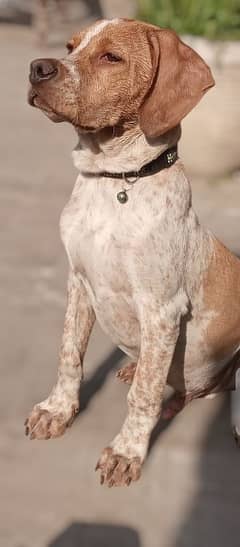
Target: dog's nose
[[43, 69]]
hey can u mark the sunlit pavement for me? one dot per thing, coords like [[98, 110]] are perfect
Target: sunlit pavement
[[189, 493]]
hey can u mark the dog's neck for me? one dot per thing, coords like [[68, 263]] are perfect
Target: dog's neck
[[111, 150]]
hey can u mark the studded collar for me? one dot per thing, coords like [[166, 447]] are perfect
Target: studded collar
[[164, 161]]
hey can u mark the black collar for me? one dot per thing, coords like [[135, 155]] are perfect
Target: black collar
[[165, 160]]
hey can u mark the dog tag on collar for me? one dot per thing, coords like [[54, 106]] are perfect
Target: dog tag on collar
[[122, 196]]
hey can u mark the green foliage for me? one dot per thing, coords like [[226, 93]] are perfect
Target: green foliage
[[214, 19]]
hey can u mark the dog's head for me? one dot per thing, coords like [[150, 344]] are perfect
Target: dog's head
[[121, 72]]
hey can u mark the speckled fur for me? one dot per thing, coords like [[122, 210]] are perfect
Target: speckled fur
[[152, 276]]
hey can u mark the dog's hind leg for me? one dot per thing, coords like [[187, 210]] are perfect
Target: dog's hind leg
[[51, 417]]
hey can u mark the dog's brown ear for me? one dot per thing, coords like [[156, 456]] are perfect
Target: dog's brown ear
[[180, 79]]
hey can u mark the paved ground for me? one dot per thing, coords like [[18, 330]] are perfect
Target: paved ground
[[189, 494]]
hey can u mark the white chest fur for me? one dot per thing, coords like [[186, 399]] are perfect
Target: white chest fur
[[99, 233], [124, 253]]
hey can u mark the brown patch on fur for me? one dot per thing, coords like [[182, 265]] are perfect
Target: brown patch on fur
[[222, 296], [180, 79]]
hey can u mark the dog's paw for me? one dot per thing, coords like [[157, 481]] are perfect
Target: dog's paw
[[116, 470], [45, 423], [126, 374]]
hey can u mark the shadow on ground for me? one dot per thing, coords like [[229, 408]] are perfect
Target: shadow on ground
[[214, 516], [96, 382], [90, 388], [96, 535]]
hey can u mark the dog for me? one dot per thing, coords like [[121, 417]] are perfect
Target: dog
[[162, 287]]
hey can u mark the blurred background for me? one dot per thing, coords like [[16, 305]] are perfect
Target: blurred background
[[189, 493]]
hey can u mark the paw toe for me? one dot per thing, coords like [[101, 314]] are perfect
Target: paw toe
[[126, 374], [42, 424], [118, 470]]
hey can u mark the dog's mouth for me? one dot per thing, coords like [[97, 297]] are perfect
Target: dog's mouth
[[31, 97], [35, 100]]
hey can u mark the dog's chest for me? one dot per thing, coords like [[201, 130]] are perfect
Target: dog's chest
[[90, 229], [107, 245], [103, 236]]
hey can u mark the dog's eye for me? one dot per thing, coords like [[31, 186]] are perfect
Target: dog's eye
[[69, 47], [111, 57]]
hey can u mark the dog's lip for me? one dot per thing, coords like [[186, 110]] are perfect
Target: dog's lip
[[35, 100], [32, 96]]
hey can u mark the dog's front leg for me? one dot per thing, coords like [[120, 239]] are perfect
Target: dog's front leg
[[51, 417], [121, 462]]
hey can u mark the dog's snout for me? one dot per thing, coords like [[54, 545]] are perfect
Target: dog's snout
[[43, 69]]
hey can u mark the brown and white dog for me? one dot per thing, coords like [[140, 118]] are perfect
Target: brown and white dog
[[165, 290]]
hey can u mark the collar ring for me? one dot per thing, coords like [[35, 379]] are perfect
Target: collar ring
[[131, 180]]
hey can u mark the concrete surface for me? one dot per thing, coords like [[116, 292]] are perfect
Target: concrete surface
[[189, 493]]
